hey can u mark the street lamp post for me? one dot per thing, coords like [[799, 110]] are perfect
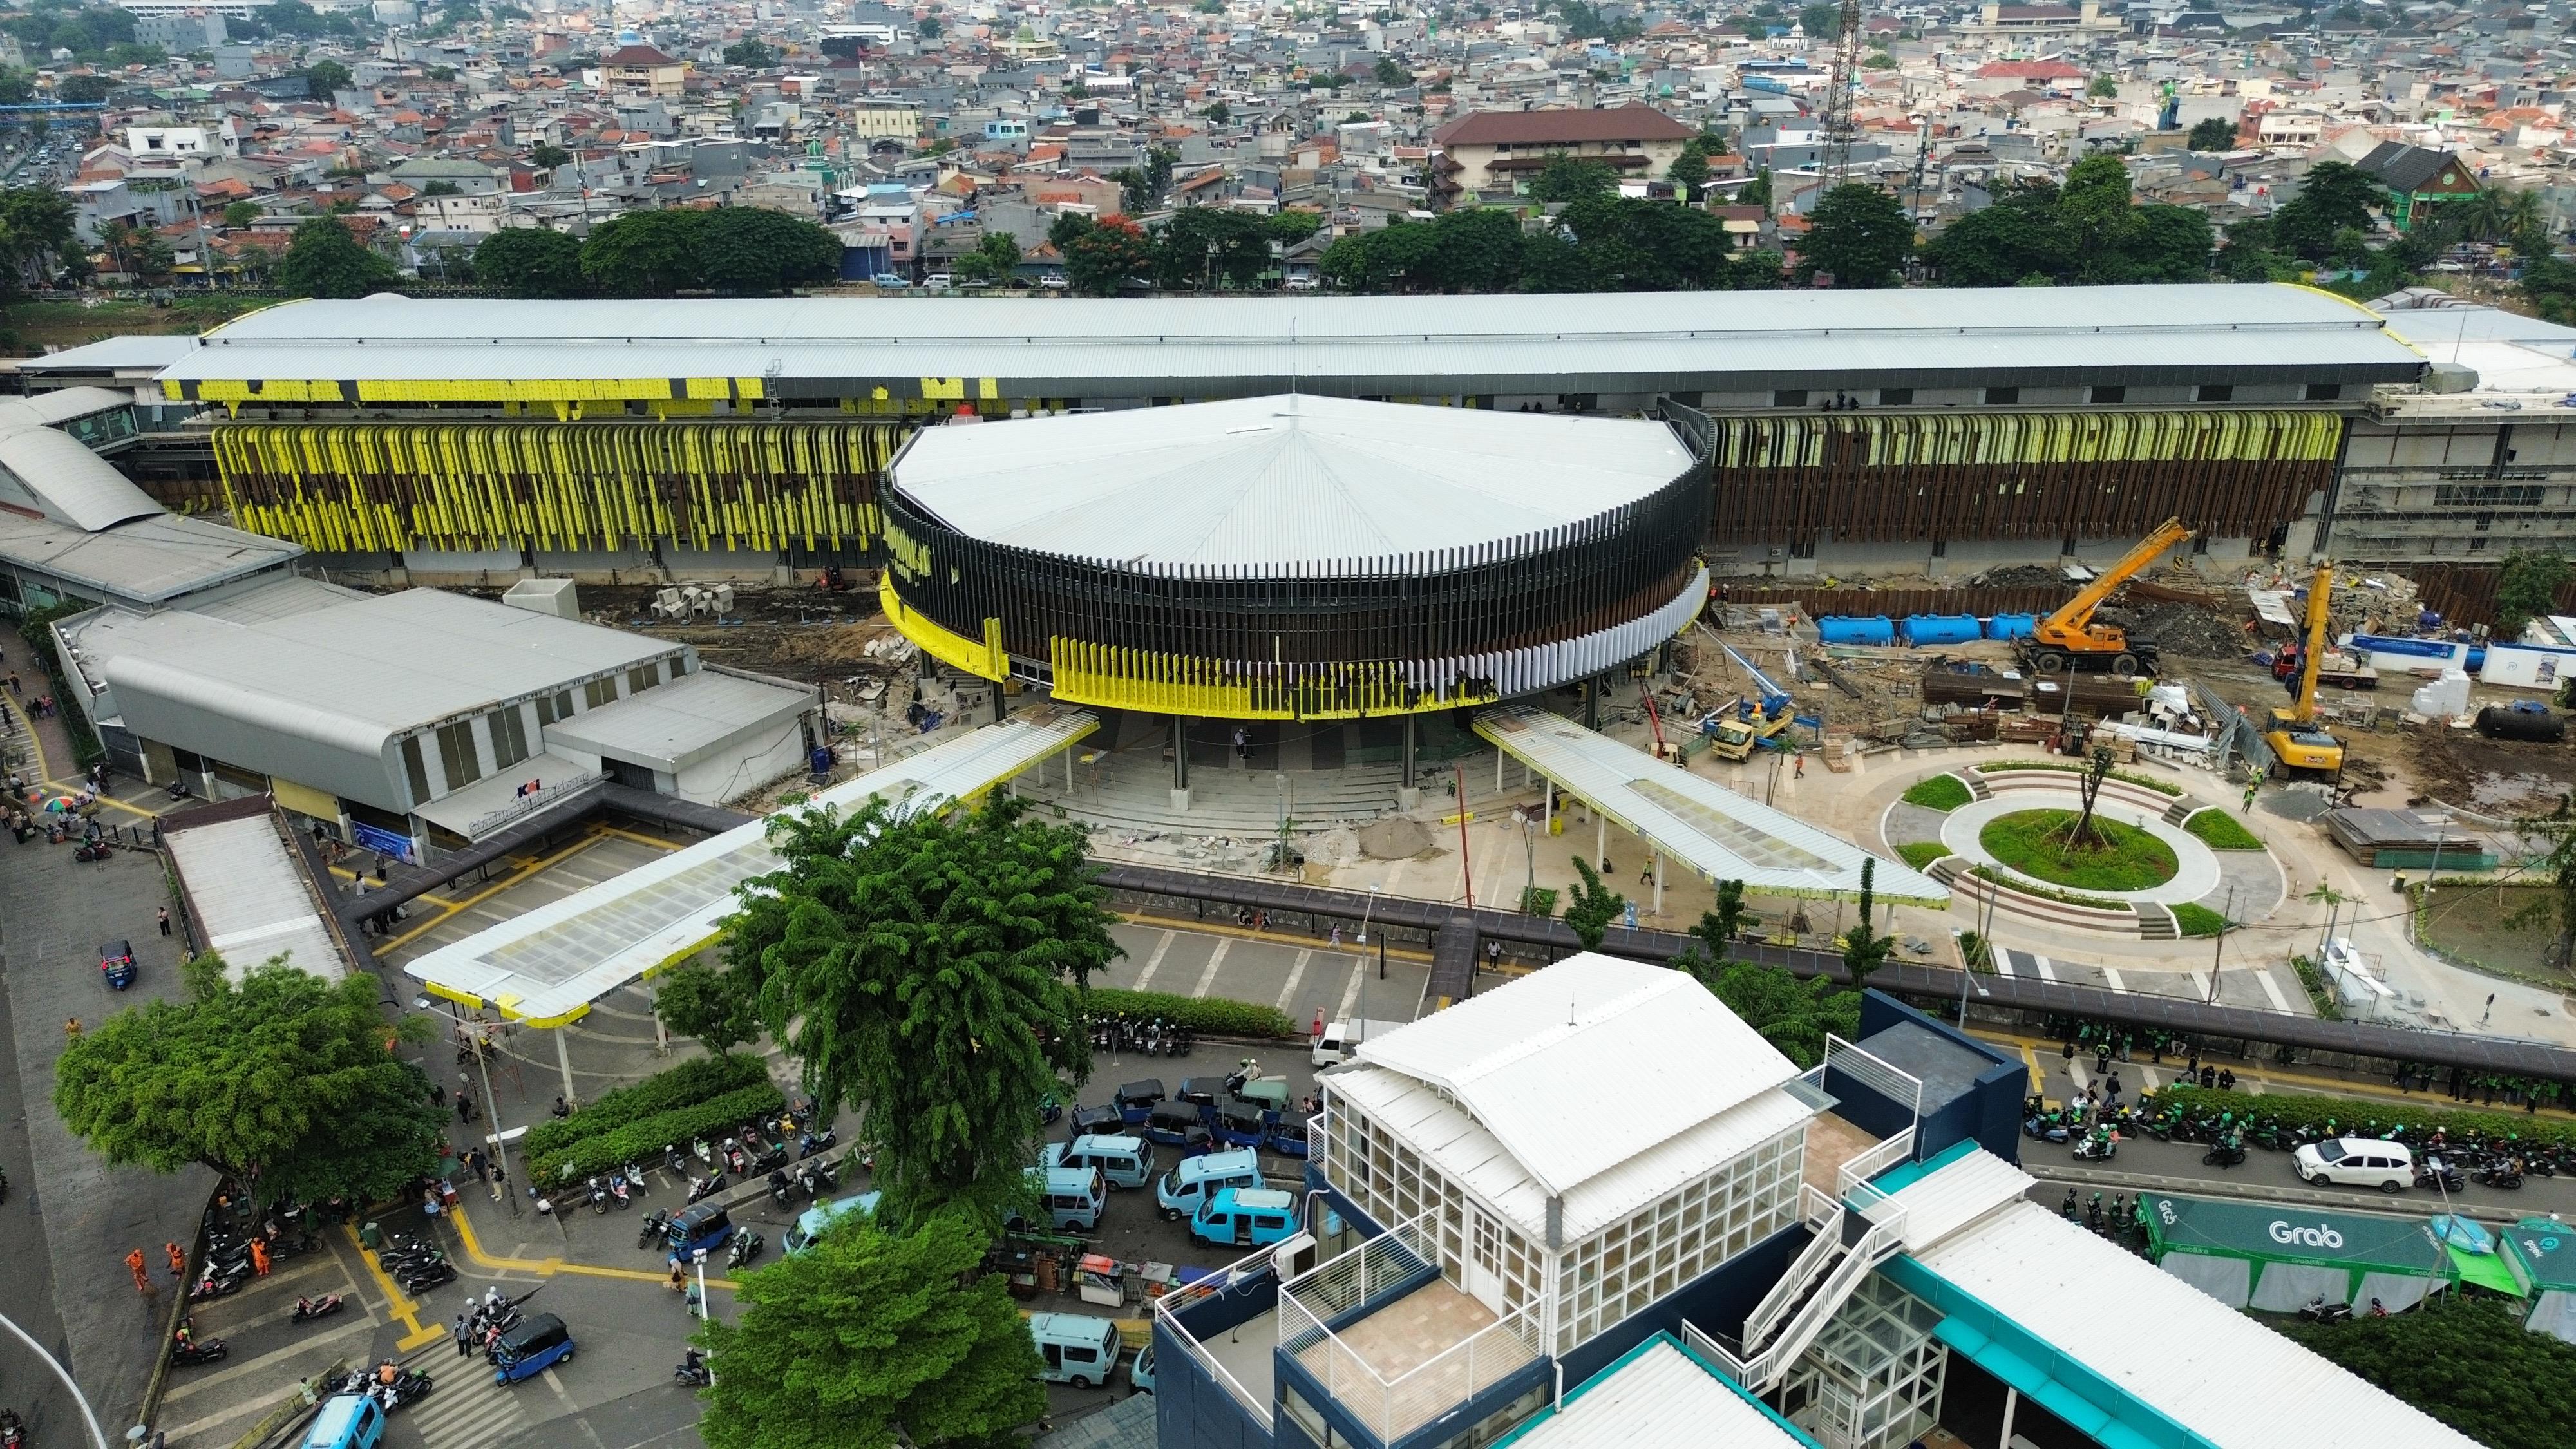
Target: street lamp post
[[98, 1436], [491, 1104]]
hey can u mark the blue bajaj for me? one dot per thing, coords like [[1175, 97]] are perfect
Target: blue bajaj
[[530, 1349]]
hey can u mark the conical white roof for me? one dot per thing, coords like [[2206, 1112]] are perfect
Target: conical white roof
[[1277, 480]]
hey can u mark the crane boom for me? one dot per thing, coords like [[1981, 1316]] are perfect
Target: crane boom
[[1774, 698], [2068, 636], [2318, 589]]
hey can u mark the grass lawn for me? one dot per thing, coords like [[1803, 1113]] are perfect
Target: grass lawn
[[2120, 858], [69, 324], [1941, 792], [1921, 853], [2198, 920], [2219, 831], [2472, 923]]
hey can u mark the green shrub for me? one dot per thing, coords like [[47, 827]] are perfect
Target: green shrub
[[2219, 831], [685, 1085], [2194, 920], [2357, 1118], [2321, 992], [1538, 901], [647, 1136], [1940, 792], [1214, 1015], [1921, 853], [2161, 787], [2119, 857], [2033, 888]]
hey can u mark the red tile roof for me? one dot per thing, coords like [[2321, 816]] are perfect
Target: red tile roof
[[1568, 127]]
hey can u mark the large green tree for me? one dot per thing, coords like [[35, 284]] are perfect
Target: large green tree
[[748, 251], [872, 1339], [530, 262], [2216, 133], [327, 78], [1859, 235], [923, 967], [2467, 1362], [1208, 247], [1590, 906], [2334, 196], [283, 1081], [2527, 587], [35, 230], [324, 260], [995, 260], [1573, 178], [714, 1006], [1103, 256], [643, 254]]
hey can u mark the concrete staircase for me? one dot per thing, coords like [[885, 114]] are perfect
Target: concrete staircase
[[1132, 790]]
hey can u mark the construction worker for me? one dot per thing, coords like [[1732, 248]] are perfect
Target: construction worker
[[142, 1281], [178, 1261], [259, 1257]]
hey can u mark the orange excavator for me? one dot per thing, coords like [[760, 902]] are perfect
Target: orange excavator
[[2068, 641]]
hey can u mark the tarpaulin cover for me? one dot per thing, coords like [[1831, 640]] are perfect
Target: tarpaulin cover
[[2546, 1249]]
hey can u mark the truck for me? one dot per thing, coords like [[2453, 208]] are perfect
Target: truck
[[1341, 1039], [1757, 720]]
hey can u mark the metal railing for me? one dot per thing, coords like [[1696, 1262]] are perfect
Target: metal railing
[[1869, 1163], [530, 803], [1393, 1407], [1394, 1261], [1168, 1308], [1824, 1217]]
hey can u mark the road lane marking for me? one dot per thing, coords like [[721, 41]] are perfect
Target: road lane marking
[[1155, 961], [1351, 993], [358, 1323], [1296, 974], [1216, 958], [2111, 974], [2272, 989]]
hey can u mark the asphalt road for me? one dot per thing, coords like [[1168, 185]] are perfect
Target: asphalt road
[[26, 1270], [2145, 1164]]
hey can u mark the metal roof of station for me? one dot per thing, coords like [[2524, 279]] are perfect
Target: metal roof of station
[[1443, 344], [547, 966], [1268, 480], [1697, 822], [1659, 1397]]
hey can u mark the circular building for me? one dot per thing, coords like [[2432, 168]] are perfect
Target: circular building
[[1295, 557]]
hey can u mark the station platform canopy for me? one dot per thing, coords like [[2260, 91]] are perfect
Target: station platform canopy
[[548, 966], [2543, 1255], [1695, 821]]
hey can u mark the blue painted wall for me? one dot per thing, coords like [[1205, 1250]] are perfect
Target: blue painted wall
[[1191, 1409], [1990, 1111]]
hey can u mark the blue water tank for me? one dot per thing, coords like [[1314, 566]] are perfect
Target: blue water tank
[[2477, 659], [1856, 629], [820, 760], [1924, 629], [2011, 626]]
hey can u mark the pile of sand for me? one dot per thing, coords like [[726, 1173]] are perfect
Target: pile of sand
[[1397, 837]]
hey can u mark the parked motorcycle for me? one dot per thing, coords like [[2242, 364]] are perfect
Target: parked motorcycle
[[425, 1279], [814, 1142], [2228, 1151], [707, 1186], [13, 1430], [189, 1350], [2098, 1146], [308, 1309], [650, 1231], [2319, 1310], [746, 1247], [780, 1192]]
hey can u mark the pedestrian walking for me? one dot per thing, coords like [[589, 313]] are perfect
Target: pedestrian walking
[[165, 920], [2112, 1084], [178, 1261], [1800, 772], [259, 1257], [464, 1338], [438, 1095], [13, 683], [1242, 744], [142, 1280], [496, 1182], [71, 1028], [1647, 875], [464, 1103], [2102, 1059], [1337, 935]]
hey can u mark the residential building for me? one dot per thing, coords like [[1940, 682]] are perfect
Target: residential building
[[1499, 149]]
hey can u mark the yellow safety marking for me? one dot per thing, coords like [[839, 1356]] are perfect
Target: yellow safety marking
[[653, 841], [450, 910], [45, 770], [1276, 938], [396, 1304], [549, 1267]]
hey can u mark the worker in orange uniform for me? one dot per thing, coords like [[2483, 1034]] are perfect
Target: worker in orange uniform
[[178, 1260], [142, 1282], [259, 1257]]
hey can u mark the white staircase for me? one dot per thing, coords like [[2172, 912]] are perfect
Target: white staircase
[[1819, 1281]]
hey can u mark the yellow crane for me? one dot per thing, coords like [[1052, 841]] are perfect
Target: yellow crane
[[2069, 639], [2295, 736]]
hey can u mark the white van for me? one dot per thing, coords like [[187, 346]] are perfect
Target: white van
[[2358, 1162], [1342, 1038]]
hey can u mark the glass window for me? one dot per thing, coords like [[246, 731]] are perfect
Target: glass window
[[643, 677], [509, 737], [2325, 391], [1789, 397], [599, 692], [553, 707], [2110, 394], [2001, 396], [415, 773], [2217, 392], [457, 756], [1895, 397]]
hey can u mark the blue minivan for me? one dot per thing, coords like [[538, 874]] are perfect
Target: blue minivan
[[1180, 1191], [1246, 1217], [811, 1223], [1124, 1161], [347, 1421]]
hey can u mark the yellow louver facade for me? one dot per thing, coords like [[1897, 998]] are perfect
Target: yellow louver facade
[[1138, 679], [353, 487]]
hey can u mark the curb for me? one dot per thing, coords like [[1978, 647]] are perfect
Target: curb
[[2207, 1187]]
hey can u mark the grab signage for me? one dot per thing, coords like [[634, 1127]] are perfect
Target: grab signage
[[2317, 1237]]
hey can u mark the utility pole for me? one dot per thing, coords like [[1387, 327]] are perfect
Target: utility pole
[[2218, 944]]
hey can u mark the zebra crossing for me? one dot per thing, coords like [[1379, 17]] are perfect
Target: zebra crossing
[[466, 1410]]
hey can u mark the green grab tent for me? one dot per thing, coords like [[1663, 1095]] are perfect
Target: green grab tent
[[2543, 1251], [2277, 1259]]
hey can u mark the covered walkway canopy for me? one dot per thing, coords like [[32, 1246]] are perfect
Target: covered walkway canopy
[[2260, 1255], [2543, 1252], [546, 967], [1707, 827]]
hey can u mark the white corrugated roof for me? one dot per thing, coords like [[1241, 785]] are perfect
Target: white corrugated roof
[[2218, 1373], [1268, 479], [550, 964], [1541, 1062], [1427, 344], [76, 484], [250, 898], [1698, 822], [148, 561], [679, 723], [1953, 1195], [1660, 1399], [1440, 1130]]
